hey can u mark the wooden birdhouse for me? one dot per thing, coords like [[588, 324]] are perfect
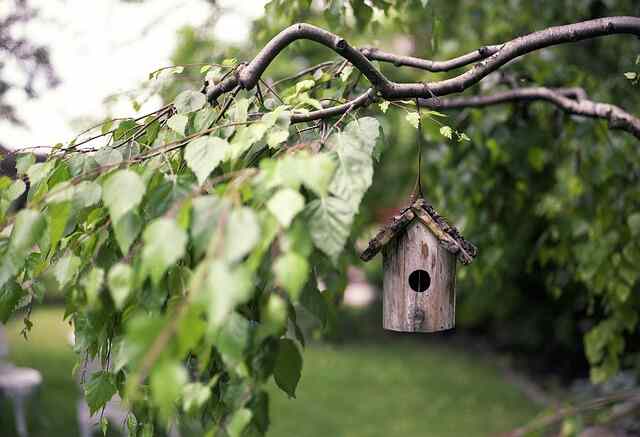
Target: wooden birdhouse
[[419, 252]]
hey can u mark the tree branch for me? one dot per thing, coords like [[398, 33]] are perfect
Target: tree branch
[[362, 100], [247, 76], [571, 100], [375, 54]]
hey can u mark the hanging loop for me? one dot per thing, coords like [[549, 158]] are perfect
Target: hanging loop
[[417, 189]]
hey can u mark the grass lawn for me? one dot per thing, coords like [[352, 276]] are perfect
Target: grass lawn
[[398, 388]]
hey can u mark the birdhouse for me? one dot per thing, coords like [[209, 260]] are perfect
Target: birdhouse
[[419, 250]]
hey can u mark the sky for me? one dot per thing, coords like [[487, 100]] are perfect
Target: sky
[[104, 47]]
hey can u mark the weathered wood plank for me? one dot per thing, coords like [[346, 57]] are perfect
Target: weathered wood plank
[[405, 309]]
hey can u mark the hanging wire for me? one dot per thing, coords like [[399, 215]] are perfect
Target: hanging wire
[[417, 189]]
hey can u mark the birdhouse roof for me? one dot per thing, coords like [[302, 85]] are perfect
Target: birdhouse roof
[[420, 210]]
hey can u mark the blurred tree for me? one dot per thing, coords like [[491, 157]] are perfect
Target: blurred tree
[[551, 200], [20, 53]]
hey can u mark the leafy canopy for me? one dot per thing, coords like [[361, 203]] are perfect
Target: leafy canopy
[[184, 249]]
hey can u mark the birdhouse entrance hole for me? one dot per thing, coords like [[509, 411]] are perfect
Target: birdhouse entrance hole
[[419, 281]]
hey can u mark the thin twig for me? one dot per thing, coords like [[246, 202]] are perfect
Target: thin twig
[[304, 72]]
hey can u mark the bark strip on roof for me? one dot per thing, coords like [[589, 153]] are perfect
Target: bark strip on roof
[[448, 236], [387, 233]]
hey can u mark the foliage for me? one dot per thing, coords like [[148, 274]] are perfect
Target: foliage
[[180, 247]]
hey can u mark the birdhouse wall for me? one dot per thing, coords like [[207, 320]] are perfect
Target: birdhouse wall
[[404, 309]]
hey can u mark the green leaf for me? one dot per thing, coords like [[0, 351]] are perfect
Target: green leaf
[[413, 118], [194, 396], [164, 244], [634, 223], [285, 205], [292, 271], [304, 99], [273, 317], [126, 230], [242, 233], [230, 62], [167, 383], [536, 158], [288, 366], [304, 85], [122, 192], [206, 214], [312, 301], [86, 193], [40, 171], [92, 283], [446, 132], [15, 190], [277, 122], [64, 271], [330, 222], [463, 137], [104, 426], [132, 424], [10, 295], [239, 111], [57, 216], [27, 230], [5, 182], [108, 156], [204, 118], [331, 218], [99, 390], [239, 422], [318, 173], [204, 154], [245, 137], [354, 148], [189, 101], [125, 129], [147, 430], [433, 113], [192, 326], [232, 339], [23, 162], [120, 280], [106, 126], [225, 288], [178, 123]]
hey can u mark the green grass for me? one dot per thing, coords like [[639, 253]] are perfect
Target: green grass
[[396, 388], [53, 411]]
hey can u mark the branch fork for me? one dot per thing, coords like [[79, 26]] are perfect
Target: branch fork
[[489, 59]]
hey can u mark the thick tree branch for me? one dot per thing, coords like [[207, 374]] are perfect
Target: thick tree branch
[[571, 100], [248, 75], [514, 49]]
